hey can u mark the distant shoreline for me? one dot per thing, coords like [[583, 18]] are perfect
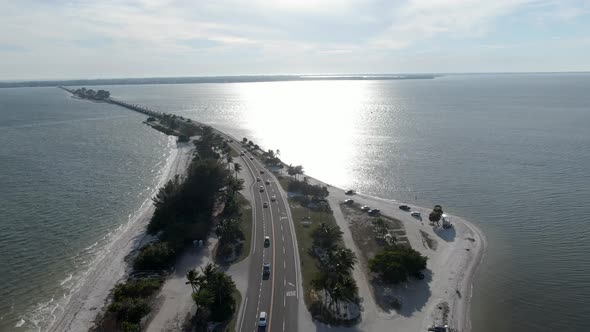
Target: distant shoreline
[[214, 79]]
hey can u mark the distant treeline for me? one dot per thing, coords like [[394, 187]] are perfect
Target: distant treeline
[[91, 94], [211, 79]]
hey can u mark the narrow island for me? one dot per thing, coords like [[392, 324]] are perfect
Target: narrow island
[[359, 261]]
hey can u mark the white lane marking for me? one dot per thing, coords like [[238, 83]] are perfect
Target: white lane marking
[[291, 284], [243, 313]]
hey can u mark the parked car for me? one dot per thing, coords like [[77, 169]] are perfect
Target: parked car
[[365, 208], [267, 241], [262, 319], [404, 208], [374, 212], [416, 214], [439, 328], [349, 192], [273, 198], [348, 201], [265, 204]]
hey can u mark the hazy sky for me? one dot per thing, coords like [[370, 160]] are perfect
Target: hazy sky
[[49, 39]]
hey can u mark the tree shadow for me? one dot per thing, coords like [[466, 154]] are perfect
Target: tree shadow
[[404, 298], [447, 234]]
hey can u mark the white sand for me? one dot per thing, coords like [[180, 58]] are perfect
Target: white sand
[[451, 272], [90, 296]]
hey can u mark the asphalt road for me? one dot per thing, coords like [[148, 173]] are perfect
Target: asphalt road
[[276, 294]]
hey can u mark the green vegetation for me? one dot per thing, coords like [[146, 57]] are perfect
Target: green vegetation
[[131, 301], [436, 214], [295, 170], [326, 265], [184, 212], [155, 256], [91, 94], [396, 263], [213, 293]]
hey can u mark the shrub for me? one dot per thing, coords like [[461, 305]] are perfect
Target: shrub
[[156, 256], [396, 263], [136, 288]]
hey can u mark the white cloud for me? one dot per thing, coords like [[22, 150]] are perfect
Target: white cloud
[[420, 20]]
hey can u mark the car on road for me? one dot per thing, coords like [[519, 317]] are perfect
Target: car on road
[[267, 181], [266, 269], [265, 204], [261, 172], [405, 208], [267, 241], [258, 179], [262, 319], [261, 188], [348, 201], [365, 208], [273, 198], [251, 158], [349, 192], [416, 214], [374, 212], [241, 153]]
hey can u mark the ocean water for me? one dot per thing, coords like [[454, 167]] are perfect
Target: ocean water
[[72, 174], [511, 153]]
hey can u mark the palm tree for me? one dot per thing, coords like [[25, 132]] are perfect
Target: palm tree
[[341, 262], [195, 279], [326, 236], [237, 169]]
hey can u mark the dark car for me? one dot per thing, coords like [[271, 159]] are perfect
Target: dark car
[[404, 208], [349, 192], [348, 202], [266, 269], [374, 212]]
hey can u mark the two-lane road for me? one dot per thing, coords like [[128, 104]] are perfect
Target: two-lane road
[[276, 294]]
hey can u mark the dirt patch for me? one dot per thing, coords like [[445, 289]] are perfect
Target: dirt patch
[[369, 234], [427, 241]]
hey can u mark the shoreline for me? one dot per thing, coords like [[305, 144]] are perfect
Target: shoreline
[[90, 297], [463, 280], [460, 276]]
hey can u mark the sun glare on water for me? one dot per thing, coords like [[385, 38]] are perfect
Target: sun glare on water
[[303, 118]]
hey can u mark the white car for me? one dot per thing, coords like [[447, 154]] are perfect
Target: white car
[[273, 198], [365, 208], [262, 319], [261, 188], [416, 214]]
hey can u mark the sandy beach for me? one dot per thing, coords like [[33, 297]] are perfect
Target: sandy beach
[[446, 290], [89, 297]]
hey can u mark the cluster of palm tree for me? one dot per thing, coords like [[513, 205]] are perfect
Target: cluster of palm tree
[[336, 264], [212, 292], [295, 170]]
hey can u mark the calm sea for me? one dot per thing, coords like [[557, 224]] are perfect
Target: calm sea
[[72, 173], [509, 152]]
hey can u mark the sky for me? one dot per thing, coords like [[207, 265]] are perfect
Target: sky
[[58, 39]]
